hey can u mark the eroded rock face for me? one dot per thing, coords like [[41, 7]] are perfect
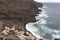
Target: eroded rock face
[[17, 11]]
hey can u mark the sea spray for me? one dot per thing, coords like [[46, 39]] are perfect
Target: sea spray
[[36, 27], [40, 29]]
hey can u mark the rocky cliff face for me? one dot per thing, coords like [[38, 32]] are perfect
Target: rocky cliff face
[[17, 12]]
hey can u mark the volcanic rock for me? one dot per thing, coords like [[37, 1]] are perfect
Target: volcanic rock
[[17, 12]]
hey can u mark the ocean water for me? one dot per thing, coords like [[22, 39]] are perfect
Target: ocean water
[[48, 24], [53, 10]]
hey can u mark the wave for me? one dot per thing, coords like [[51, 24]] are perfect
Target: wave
[[39, 28]]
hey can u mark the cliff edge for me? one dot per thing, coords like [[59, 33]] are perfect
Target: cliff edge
[[17, 12]]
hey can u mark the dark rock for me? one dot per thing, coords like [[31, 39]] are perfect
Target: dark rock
[[17, 12]]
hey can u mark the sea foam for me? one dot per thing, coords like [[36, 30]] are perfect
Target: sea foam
[[39, 28]]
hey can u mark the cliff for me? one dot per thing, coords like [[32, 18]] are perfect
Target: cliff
[[17, 12], [13, 9]]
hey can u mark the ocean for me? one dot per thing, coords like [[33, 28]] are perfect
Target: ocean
[[48, 24], [53, 11]]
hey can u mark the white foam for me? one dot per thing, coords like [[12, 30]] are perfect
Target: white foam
[[39, 1], [37, 35], [30, 27], [56, 31], [43, 21], [43, 15], [40, 8], [56, 36], [43, 1]]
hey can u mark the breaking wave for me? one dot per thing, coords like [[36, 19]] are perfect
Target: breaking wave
[[40, 29]]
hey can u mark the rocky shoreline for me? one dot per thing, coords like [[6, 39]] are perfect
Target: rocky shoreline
[[17, 13]]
